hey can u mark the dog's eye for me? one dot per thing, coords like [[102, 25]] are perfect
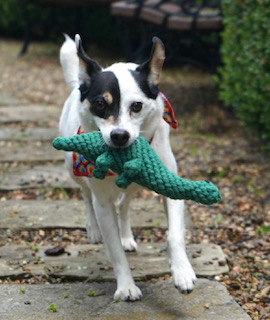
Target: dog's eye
[[136, 107], [99, 104]]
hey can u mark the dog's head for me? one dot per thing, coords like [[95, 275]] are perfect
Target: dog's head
[[122, 99]]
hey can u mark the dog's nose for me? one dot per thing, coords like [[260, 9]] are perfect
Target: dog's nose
[[119, 137]]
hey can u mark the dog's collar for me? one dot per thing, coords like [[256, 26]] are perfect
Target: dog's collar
[[84, 168]]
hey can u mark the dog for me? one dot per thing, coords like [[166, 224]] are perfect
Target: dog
[[121, 101]]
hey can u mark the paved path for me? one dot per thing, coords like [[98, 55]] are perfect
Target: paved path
[[25, 136], [88, 262], [161, 301]]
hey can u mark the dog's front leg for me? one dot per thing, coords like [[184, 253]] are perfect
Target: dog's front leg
[[182, 271], [92, 227], [106, 216]]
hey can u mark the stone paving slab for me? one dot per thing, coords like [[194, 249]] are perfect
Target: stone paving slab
[[47, 214], [28, 134], [7, 100], [50, 176], [88, 261], [33, 113], [26, 214], [161, 301], [24, 177], [30, 152]]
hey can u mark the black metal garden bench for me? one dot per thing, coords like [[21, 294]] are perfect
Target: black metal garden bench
[[56, 6], [179, 23]]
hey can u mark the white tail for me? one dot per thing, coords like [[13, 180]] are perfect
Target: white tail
[[70, 62]]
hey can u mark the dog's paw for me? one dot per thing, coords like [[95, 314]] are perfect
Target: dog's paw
[[130, 293], [129, 244], [184, 279], [94, 235]]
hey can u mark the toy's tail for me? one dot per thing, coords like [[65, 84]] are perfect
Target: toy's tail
[[200, 191], [172, 186], [70, 62]]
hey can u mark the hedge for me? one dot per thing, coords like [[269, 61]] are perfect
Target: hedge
[[245, 75]]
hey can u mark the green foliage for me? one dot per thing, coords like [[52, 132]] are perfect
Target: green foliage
[[53, 308], [10, 17], [50, 21], [91, 293], [64, 295], [263, 230], [245, 81]]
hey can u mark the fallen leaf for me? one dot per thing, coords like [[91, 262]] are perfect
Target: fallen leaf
[[55, 251]]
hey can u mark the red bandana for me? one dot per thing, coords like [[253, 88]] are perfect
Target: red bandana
[[84, 168], [168, 113]]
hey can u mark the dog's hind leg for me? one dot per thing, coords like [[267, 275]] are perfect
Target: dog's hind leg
[[127, 239]]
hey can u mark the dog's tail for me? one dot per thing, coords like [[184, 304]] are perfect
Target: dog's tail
[[70, 62]]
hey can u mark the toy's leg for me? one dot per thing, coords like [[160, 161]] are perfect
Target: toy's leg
[[106, 216], [182, 271], [122, 181], [130, 171], [102, 166], [127, 239]]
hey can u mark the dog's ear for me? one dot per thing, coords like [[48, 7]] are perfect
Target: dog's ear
[[153, 66], [87, 66]]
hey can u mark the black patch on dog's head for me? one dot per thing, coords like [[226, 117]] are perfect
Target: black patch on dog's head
[[103, 94], [147, 75], [141, 77], [99, 87]]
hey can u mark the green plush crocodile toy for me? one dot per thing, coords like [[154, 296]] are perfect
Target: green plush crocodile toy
[[137, 163]]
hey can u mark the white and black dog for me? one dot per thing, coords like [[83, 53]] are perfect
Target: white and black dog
[[121, 101]]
